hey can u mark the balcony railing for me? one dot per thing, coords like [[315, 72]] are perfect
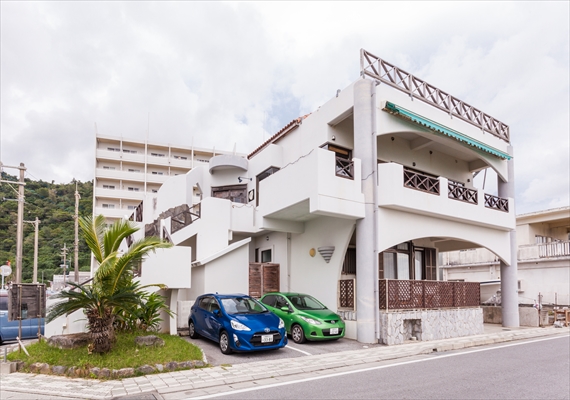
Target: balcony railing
[[407, 295], [418, 181], [554, 249], [344, 168], [184, 218], [137, 216], [391, 75], [459, 192], [497, 203]]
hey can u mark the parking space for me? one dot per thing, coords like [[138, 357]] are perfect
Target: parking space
[[216, 358]]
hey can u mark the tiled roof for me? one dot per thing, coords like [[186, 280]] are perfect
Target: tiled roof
[[290, 127]]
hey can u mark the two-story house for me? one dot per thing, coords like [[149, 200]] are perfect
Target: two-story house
[[352, 204]]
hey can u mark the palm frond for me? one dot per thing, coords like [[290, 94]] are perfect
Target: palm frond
[[92, 230]]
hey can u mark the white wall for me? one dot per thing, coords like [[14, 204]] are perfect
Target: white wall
[[312, 275], [228, 273], [170, 267]]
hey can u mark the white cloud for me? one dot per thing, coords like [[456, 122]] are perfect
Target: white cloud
[[215, 74]]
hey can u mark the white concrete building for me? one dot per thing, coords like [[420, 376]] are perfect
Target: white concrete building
[[543, 260], [127, 169], [351, 204]]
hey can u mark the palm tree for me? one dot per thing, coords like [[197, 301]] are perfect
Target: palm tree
[[113, 284]]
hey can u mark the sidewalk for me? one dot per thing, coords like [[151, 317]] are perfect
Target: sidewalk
[[173, 384]]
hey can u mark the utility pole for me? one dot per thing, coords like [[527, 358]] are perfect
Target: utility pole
[[36, 224], [64, 254], [76, 249], [20, 223]]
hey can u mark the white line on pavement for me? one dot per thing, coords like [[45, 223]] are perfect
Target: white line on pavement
[[299, 350], [368, 369]]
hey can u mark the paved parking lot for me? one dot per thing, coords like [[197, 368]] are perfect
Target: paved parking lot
[[215, 357]]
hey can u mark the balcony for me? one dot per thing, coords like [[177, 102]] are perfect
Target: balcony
[[412, 191], [315, 184], [118, 194], [544, 250]]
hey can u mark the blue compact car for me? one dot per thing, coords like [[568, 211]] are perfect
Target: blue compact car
[[237, 322]]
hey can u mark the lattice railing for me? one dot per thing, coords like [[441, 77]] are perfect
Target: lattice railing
[[405, 295], [389, 74], [184, 218], [137, 215], [346, 293], [418, 181], [458, 192], [344, 168], [497, 203]]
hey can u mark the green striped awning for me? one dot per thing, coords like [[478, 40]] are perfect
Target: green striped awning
[[437, 128]]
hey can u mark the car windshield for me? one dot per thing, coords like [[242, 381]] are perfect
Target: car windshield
[[242, 305], [305, 302]]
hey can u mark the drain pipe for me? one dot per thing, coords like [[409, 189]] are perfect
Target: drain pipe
[[375, 197]]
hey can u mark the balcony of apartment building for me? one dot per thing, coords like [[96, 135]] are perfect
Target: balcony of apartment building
[[321, 182], [412, 191], [116, 154], [133, 173]]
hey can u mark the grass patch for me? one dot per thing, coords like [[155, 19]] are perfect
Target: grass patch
[[125, 353]]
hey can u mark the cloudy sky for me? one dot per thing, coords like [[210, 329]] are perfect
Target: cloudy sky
[[222, 74]]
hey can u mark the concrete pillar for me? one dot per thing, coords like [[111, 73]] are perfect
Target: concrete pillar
[[172, 326], [366, 258], [509, 273]]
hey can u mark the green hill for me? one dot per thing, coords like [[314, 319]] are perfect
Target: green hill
[[54, 205]]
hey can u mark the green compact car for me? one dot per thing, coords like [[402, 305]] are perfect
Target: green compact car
[[305, 317]]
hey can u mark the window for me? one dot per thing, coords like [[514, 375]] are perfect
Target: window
[[108, 186], [134, 170], [157, 173], [349, 265], [200, 160], [180, 157], [131, 207], [105, 205], [266, 256], [133, 189], [129, 151], [406, 262], [4, 303], [236, 194], [157, 154], [107, 167], [113, 149], [154, 190]]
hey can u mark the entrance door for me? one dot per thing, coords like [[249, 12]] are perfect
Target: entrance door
[[263, 278]]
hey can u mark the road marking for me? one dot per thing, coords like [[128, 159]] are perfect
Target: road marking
[[367, 369], [299, 350]]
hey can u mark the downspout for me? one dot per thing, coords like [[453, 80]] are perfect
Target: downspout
[[375, 196]]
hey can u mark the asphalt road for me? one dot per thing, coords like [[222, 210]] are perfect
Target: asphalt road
[[215, 357], [534, 369]]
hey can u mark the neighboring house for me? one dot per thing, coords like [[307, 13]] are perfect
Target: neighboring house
[[127, 169], [543, 240], [351, 204]]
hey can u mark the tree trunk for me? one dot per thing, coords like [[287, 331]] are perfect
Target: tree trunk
[[102, 331]]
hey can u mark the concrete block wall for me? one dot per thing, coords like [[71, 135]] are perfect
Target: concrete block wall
[[396, 327]]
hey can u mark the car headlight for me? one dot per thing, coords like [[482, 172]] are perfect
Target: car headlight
[[310, 320], [238, 326], [281, 323]]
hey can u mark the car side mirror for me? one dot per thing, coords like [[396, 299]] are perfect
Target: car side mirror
[[285, 309]]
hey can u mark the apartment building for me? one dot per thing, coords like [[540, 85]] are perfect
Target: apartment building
[[352, 204], [543, 253], [127, 169]]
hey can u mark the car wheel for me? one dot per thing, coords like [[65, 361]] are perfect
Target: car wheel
[[192, 330], [225, 343], [297, 334]]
